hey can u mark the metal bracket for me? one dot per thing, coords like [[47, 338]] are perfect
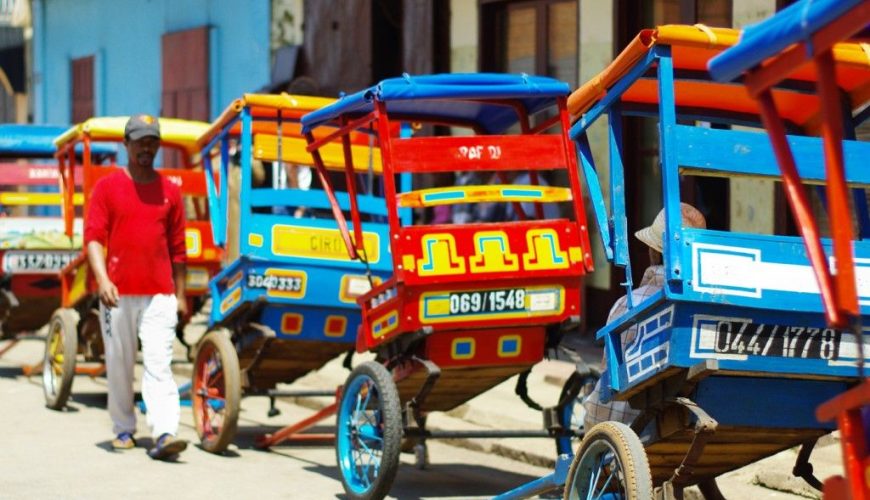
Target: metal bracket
[[705, 427], [803, 468], [522, 390], [432, 374]]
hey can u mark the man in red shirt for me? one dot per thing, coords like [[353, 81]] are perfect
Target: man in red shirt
[[134, 234]]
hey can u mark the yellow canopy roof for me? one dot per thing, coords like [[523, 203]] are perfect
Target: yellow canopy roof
[[182, 133], [292, 107]]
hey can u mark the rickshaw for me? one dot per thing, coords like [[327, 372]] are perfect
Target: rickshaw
[[468, 305], [733, 355], [285, 302], [767, 53], [33, 246], [74, 330]]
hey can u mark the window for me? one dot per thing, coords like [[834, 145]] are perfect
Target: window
[[185, 75], [532, 36], [82, 89]]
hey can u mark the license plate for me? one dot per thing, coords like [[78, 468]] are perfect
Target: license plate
[[489, 301], [276, 283], [754, 339], [45, 262]]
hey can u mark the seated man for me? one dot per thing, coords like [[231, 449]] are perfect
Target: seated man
[[653, 280]]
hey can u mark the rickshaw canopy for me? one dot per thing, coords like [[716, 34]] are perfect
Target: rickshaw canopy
[[692, 47], [264, 110], [470, 99], [174, 131], [35, 141], [770, 37]]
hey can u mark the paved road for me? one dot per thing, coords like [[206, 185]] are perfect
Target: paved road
[[47, 454]]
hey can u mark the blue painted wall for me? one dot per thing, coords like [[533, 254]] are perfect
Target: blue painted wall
[[125, 38]]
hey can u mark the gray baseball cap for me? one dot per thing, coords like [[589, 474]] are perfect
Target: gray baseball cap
[[139, 126]]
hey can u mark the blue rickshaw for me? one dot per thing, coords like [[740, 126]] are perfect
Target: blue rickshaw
[[733, 355], [285, 302]]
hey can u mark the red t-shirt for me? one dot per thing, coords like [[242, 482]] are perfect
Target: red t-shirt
[[142, 228]]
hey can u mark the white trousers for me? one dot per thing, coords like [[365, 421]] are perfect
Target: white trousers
[[153, 319]]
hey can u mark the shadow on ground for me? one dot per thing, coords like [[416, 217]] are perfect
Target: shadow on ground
[[444, 480]]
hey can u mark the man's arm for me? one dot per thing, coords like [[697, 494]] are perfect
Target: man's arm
[[97, 259], [179, 275], [178, 254], [96, 234]]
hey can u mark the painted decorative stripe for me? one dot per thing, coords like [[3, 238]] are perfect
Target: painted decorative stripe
[[483, 194], [193, 242], [522, 193], [509, 346], [385, 324], [446, 195], [291, 323], [319, 244], [463, 348], [335, 326], [231, 299], [740, 271], [255, 240]]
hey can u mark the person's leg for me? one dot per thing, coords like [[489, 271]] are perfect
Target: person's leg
[[156, 334], [118, 325]]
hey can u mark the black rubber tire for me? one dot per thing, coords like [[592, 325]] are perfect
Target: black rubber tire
[[619, 439], [217, 342], [391, 429], [57, 377]]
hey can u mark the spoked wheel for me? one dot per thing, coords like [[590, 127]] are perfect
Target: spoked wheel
[[571, 411], [369, 432], [610, 465], [59, 364], [216, 391]]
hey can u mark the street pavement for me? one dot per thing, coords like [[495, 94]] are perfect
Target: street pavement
[[48, 454]]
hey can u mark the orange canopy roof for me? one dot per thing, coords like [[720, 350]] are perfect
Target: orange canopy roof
[[692, 47]]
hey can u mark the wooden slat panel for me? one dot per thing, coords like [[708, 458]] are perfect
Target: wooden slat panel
[[491, 152]]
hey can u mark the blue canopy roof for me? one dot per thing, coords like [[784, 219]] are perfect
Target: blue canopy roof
[[446, 97], [762, 40], [37, 141]]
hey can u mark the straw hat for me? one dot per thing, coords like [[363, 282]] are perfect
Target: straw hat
[[653, 234]]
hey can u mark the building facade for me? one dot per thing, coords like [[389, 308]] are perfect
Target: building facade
[[186, 59]]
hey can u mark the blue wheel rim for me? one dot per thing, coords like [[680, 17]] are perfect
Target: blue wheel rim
[[360, 437], [600, 475]]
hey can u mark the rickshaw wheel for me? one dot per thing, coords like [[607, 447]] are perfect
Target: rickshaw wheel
[[610, 464], [59, 363], [369, 432], [572, 413], [216, 391]]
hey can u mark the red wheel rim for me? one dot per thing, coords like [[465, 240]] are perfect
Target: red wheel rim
[[209, 392]]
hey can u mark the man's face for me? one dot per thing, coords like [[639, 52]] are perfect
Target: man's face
[[142, 151]]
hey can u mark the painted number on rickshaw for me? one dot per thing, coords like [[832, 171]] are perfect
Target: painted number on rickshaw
[[480, 152], [513, 299], [278, 283], [36, 261], [735, 337]]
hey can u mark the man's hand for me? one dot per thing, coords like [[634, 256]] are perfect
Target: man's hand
[[108, 293], [183, 313]]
